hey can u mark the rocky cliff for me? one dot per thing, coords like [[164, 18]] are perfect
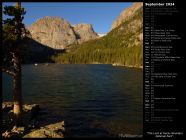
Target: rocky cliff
[[84, 32], [57, 33], [127, 13], [128, 27]]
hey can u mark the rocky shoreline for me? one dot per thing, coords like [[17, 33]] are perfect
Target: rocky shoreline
[[32, 126], [113, 64], [128, 66]]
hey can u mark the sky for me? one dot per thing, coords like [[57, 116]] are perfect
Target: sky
[[100, 15]]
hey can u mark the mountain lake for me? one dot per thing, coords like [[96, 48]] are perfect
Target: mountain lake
[[94, 100]]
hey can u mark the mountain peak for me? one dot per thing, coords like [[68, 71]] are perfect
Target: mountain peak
[[57, 33], [126, 14], [84, 32]]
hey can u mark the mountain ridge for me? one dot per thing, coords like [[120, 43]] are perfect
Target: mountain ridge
[[123, 45], [126, 14], [58, 33]]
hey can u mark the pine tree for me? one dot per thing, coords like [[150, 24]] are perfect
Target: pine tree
[[14, 33]]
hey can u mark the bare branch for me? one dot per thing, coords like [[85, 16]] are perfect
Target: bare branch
[[11, 73]]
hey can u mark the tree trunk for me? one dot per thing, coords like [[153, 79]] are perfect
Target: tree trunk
[[18, 4], [17, 87], [17, 90]]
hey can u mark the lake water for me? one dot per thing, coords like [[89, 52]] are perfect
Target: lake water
[[93, 100]]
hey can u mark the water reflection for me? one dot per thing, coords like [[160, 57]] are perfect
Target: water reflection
[[94, 100]]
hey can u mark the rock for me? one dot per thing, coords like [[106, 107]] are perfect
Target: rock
[[42, 133], [30, 112], [15, 132], [53, 32], [6, 134], [36, 134], [126, 14], [32, 124], [7, 106], [57, 126], [50, 131], [57, 33], [18, 130], [30, 107], [129, 31], [84, 32]]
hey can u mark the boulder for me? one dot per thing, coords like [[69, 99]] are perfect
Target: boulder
[[30, 107], [15, 132], [7, 106], [50, 131]]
